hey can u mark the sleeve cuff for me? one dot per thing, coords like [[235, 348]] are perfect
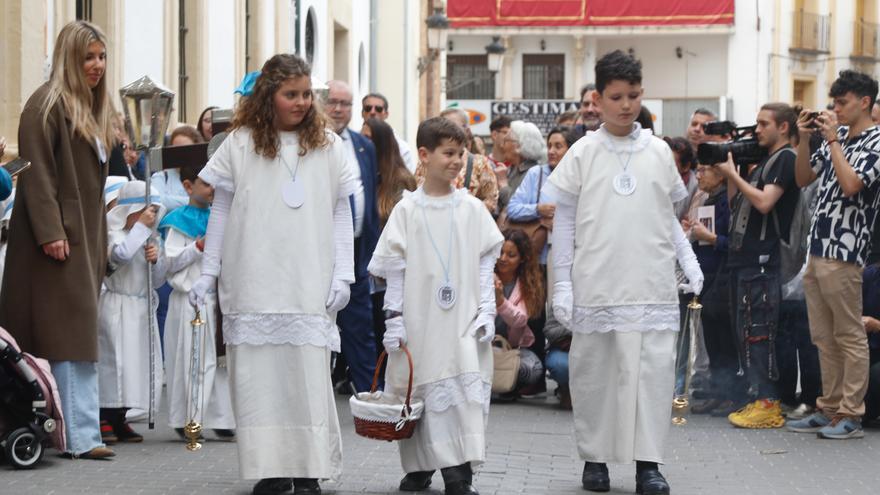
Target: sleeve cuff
[[679, 193], [218, 181], [382, 266]]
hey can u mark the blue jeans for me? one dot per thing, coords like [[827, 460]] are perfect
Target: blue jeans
[[78, 388], [557, 364]]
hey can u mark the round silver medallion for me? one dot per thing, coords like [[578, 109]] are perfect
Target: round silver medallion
[[446, 296], [624, 183]]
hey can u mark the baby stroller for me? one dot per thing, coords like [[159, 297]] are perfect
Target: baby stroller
[[30, 409]]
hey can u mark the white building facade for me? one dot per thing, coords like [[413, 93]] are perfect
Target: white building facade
[[201, 49]]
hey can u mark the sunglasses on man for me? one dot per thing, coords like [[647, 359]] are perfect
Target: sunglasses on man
[[378, 108]]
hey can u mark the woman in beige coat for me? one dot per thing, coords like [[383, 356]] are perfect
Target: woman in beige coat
[[57, 253]]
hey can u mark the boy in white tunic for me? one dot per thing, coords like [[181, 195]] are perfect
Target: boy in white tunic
[[437, 254], [615, 243], [123, 340], [183, 231], [280, 239]]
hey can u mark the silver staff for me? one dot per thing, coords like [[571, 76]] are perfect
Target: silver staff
[[147, 107]]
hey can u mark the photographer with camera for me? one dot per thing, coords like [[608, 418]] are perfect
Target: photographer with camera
[[762, 207], [848, 168]]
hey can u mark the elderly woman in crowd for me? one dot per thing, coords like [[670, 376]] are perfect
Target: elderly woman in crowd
[[523, 149]]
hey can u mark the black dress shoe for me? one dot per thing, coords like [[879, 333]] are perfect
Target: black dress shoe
[[416, 482], [461, 487], [651, 482], [271, 486], [595, 477], [706, 407], [306, 486]]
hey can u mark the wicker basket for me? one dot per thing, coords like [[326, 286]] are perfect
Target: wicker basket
[[383, 417]]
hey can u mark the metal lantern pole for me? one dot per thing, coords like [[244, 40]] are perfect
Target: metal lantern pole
[[147, 106]]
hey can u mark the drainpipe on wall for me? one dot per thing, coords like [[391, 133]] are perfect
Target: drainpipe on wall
[[406, 68], [296, 27]]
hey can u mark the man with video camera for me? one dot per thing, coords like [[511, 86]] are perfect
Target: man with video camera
[[762, 207], [848, 168]]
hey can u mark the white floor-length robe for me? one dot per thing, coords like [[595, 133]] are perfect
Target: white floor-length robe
[[453, 371], [123, 338], [625, 311], [184, 268], [277, 266]]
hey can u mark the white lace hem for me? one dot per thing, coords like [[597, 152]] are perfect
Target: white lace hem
[[628, 318], [454, 391], [280, 328]]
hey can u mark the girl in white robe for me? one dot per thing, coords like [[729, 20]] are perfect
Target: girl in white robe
[[183, 230], [439, 238], [124, 341], [615, 242], [280, 239]]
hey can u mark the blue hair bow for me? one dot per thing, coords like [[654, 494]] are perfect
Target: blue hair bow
[[246, 87]]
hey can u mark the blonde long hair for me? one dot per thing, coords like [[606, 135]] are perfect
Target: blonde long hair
[[90, 110]]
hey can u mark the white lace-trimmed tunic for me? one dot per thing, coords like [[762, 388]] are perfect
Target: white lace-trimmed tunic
[[260, 304], [623, 272], [123, 341], [453, 371]]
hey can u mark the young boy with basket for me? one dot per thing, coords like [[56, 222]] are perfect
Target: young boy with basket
[[440, 244]]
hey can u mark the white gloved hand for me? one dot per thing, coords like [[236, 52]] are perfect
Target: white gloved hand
[[340, 293], [563, 303], [395, 334], [483, 327], [687, 260], [200, 288], [695, 280]]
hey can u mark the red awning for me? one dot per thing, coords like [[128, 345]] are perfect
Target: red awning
[[483, 13]]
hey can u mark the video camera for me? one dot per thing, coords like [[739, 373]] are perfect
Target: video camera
[[743, 144]]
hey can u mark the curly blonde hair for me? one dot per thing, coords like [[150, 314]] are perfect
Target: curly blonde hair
[[257, 111]]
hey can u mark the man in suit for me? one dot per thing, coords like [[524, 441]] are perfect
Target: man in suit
[[356, 320]]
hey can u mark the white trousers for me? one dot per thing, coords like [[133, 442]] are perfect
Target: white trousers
[[621, 391]]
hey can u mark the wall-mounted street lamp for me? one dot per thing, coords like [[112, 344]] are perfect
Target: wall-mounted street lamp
[[495, 51], [438, 31]]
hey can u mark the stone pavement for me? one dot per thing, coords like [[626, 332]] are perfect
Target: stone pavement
[[530, 450]]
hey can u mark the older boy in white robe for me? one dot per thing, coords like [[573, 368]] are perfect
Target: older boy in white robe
[[615, 242]]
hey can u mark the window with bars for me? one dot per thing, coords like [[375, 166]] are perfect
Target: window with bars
[[468, 78], [543, 77]]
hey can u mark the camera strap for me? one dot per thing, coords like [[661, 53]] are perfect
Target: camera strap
[[742, 208]]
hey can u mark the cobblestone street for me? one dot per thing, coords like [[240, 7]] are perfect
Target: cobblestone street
[[530, 450]]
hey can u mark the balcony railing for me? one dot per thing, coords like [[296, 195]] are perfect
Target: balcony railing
[[866, 43], [811, 32]]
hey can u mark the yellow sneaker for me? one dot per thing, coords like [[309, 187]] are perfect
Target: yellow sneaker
[[759, 414]]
